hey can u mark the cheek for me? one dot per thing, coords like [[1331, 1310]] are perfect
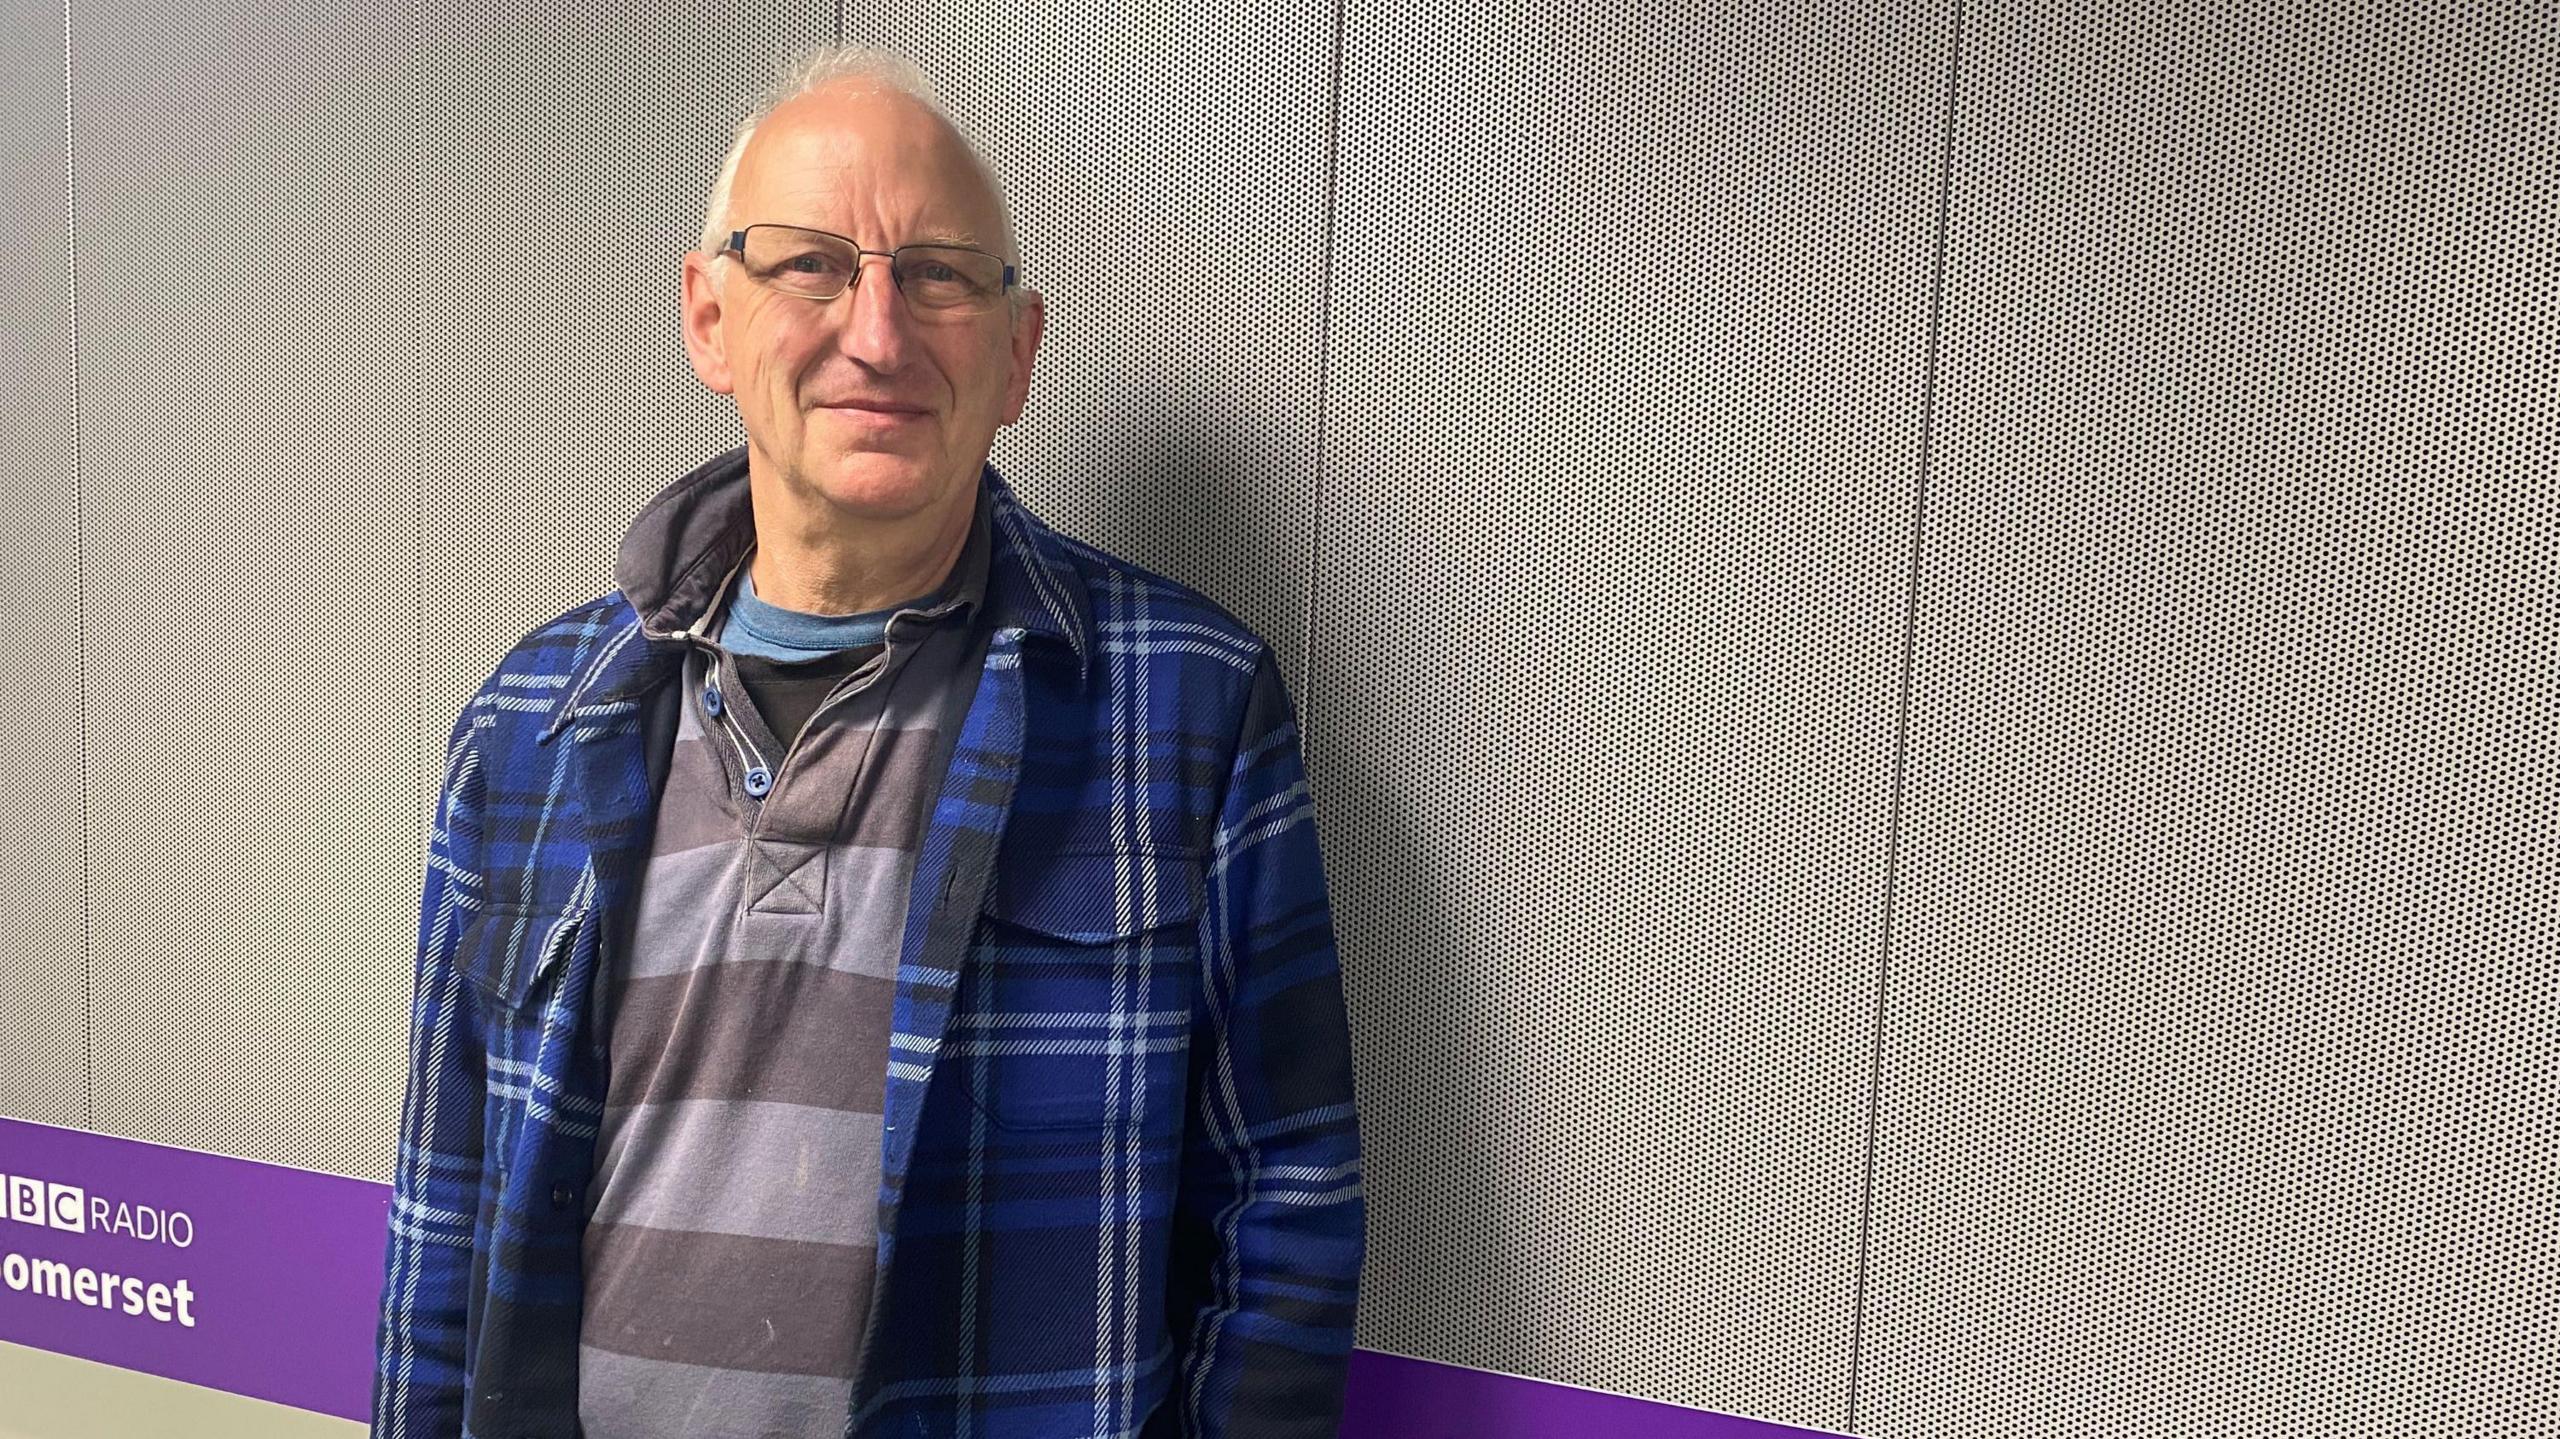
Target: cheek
[[983, 375], [778, 381], [769, 358]]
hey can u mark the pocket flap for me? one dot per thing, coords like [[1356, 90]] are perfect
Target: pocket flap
[[1092, 896], [506, 953]]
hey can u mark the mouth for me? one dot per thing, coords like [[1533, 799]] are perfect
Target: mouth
[[879, 410]]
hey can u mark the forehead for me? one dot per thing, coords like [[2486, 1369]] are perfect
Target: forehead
[[855, 161]]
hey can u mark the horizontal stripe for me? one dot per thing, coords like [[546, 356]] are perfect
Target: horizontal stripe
[[1067, 1046], [729, 1301], [762, 1030], [517, 1079], [690, 913], [678, 1166], [621, 1396], [1083, 1018]]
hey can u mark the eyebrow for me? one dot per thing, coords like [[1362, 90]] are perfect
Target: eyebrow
[[962, 238]]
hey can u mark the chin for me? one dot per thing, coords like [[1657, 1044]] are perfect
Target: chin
[[884, 484]]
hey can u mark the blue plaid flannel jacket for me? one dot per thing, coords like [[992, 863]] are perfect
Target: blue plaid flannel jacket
[[1130, 1203]]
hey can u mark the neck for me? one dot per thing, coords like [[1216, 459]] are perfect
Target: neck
[[830, 563]]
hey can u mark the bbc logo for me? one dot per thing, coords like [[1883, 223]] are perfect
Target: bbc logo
[[33, 1201]]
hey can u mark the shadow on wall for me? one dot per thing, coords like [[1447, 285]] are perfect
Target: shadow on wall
[[1413, 1034], [1215, 485], [1179, 486]]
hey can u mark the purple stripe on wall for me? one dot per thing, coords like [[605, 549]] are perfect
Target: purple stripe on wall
[[281, 1268], [281, 1271], [1393, 1397]]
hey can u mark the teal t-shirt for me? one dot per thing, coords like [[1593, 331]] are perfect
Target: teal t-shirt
[[789, 660]]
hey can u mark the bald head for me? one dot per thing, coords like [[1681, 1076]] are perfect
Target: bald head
[[815, 87], [901, 173]]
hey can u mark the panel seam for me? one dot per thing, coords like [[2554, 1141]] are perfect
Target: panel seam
[[1902, 718], [1324, 378], [79, 586], [431, 748]]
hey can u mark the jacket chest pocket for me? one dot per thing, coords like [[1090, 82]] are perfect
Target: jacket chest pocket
[[512, 959], [510, 954], [1075, 1009]]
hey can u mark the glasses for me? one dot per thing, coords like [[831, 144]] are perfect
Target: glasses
[[816, 265]]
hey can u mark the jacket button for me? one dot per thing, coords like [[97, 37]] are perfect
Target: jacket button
[[560, 1196]]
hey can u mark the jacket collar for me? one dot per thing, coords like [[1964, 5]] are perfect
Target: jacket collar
[[683, 549]]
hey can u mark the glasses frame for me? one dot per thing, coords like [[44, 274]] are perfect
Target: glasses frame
[[738, 247]]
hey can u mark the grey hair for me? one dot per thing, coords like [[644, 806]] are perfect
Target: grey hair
[[871, 71]]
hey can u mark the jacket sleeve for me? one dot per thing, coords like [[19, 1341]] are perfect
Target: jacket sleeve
[[420, 1344], [1268, 1232]]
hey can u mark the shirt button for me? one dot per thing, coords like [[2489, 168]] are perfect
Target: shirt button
[[560, 1196], [711, 700], [758, 781]]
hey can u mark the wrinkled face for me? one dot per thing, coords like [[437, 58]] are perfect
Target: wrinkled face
[[862, 405]]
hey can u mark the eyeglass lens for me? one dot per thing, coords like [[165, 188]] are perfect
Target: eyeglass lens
[[817, 265]]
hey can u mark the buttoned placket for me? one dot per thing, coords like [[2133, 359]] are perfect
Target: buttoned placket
[[745, 744]]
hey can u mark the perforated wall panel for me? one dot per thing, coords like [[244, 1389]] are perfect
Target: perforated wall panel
[[1624, 426], [248, 432], [43, 1025], [2219, 1088]]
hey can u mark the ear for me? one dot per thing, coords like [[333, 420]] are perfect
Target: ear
[[1025, 344], [704, 340]]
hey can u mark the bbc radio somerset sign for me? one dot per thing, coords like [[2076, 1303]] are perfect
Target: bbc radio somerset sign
[[255, 1278], [46, 1204]]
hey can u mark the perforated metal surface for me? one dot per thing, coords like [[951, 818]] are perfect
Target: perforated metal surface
[[1177, 226], [42, 1026], [2219, 1071], [1608, 639], [248, 432]]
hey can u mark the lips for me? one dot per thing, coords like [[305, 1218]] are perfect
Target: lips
[[876, 407]]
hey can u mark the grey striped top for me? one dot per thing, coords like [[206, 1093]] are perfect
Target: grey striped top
[[730, 1240]]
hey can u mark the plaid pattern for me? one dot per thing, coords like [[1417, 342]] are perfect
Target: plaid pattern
[[1133, 1206]]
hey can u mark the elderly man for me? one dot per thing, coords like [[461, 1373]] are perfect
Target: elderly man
[[874, 974]]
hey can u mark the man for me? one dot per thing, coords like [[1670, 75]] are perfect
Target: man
[[875, 975]]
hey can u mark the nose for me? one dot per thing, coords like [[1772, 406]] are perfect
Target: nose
[[875, 329]]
